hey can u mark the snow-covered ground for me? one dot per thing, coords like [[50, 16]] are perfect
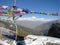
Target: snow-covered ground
[[40, 40], [7, 42]]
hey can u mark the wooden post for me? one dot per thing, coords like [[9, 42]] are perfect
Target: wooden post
[[16, 32], [14, 21], [0, 34]]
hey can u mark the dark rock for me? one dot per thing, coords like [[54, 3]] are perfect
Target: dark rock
[[54, 31]]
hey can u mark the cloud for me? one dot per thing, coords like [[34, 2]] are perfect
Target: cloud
[[33, 18]]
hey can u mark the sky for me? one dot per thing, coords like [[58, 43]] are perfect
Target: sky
[[48, 6]]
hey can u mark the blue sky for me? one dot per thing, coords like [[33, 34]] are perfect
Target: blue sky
[[48, 6]]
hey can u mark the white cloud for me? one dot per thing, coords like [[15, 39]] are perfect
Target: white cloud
[[33, 18]]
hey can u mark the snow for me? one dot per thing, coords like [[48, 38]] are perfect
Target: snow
[[40, 40]]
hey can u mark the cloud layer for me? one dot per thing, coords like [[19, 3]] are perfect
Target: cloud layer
[[33, 18]]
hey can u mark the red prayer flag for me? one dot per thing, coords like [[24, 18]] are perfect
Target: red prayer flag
[[1, 13], [55, 14]]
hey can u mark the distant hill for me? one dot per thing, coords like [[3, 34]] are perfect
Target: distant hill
[[54, 30], [35, 26]]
